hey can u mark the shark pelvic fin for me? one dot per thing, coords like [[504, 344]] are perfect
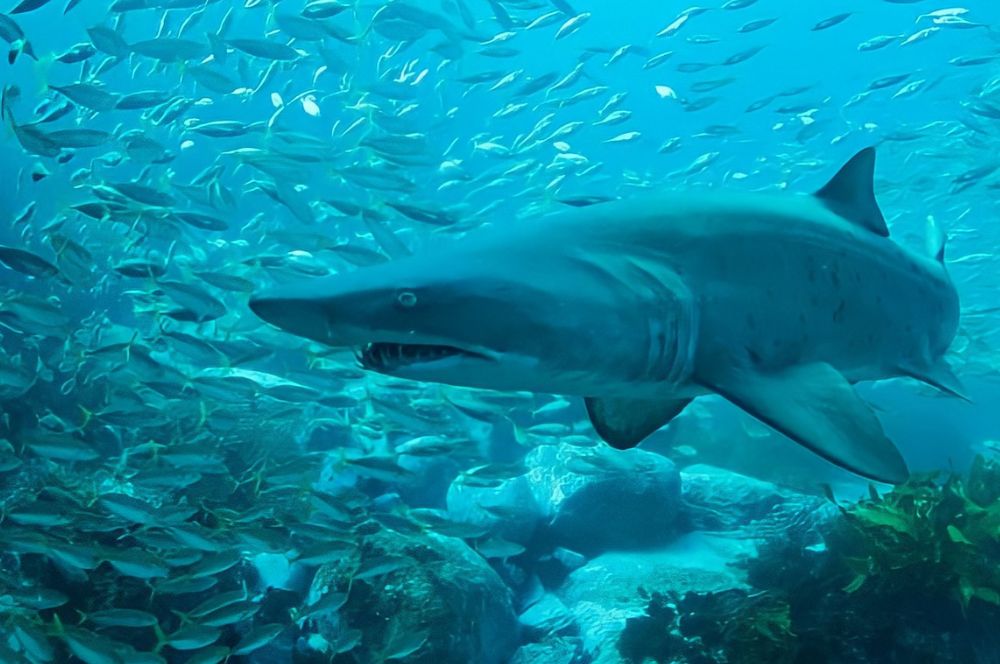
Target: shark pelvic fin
[[851, 193], [624, 423], [814, 405], [938, 375]]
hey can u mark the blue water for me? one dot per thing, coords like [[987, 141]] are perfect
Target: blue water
[[926, 140]]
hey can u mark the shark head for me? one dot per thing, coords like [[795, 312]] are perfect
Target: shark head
[[548, 322]]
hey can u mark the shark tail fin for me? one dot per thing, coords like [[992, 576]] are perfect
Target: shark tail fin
[[935, 240], [851, 193]]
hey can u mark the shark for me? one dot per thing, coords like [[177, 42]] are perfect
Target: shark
[[778, 302]]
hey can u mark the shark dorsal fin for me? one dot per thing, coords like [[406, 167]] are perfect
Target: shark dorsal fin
[[851, 193]]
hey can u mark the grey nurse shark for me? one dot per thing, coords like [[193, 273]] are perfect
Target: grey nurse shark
[[777, 302]]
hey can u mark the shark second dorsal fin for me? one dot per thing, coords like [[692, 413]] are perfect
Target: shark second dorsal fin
[[624, 423], [851, 193]]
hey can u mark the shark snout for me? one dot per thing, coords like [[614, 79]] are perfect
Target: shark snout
[[266, 308], [303, 317], [279, 304], [340, 310]]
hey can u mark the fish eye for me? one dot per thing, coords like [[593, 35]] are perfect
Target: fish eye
[[406, 298]]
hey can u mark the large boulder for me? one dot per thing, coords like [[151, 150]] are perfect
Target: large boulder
[[588, 499], [507, 509], [716, 499], [613, 587], [435, 598], [597, 499], [547, 616]]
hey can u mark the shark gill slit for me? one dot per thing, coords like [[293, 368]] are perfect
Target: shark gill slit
[[687, 337], [651, 290], [668, 354], [611, 279]]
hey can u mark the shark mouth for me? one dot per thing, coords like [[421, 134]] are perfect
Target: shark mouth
[[388, 357]]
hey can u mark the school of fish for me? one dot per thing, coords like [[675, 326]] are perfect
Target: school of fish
[[156, 433]]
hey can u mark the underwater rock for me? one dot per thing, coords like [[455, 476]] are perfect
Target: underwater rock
[[439, 601], [571, 560], [275, 571], [600, 499], [428, 479], [553, 568], [721, 500], [508, 510], [560, 650], [614, 587], [546, 616], [281, 649]]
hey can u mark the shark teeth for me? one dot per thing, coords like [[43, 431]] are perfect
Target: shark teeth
[[387, 357]]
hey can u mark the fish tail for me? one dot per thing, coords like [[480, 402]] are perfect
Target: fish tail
[[87, 416], [41, 72], [5, 111], [128, 346], [161, 638], [371, 24], [57, 626], [520, 437]]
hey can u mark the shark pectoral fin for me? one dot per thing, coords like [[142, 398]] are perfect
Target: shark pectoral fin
[[624, 423], [814, 405], [851, 193], [938, 375]]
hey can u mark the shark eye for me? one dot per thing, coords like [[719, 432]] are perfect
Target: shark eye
[[406, 299]]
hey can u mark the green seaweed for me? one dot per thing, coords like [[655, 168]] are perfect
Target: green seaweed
[[909, 575], [733, 626], [927, 533]]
